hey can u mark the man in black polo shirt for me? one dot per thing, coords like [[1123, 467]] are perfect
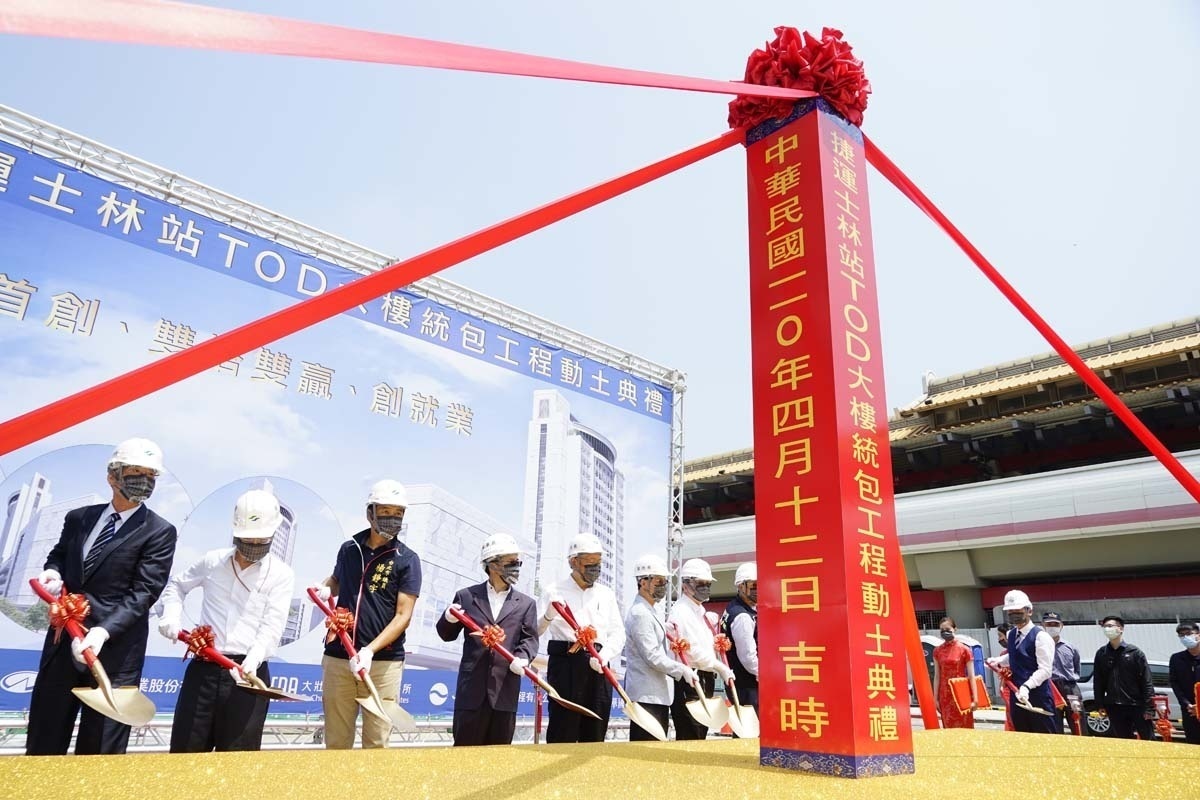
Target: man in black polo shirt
[[1122, 683], [378, 579], [1185, 672]]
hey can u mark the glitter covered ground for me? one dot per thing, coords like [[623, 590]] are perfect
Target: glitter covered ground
[[957, 763]]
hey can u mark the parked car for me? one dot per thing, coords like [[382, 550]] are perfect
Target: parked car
[[1099, 726]]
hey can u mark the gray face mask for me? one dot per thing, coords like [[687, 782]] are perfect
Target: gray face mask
[[252, 550], [136, 488], [388, 527], [948, 635], [509, 574], [1016, 618], [752, 595], [701, 593], [590, 574], [657, 591]]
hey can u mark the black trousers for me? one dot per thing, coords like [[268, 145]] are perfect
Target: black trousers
[[484, 725], [1191, 728], [53, 709], [660, 712], [1127, 721], [213, 714], [686, 726], [1028, 722], [570, 674]]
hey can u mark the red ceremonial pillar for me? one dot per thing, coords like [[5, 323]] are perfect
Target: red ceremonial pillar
[[832, 674]]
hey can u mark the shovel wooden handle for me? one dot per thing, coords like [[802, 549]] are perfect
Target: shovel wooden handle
[[343, 637]]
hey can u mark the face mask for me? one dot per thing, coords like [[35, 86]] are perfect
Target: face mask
[[136, 488], [752, 595], [389, 527], [509, 574], [1189, 642], [702, 593], [1016, 618], [1112, 633], [948, 635], [659, 592], [590, 573], [252, 550], [1054, 630]]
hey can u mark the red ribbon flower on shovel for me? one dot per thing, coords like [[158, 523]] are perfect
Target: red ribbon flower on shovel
[[202, 637], [491, 636], [721, 643], [68, 607], [342, 620], [793, 60], [583, 638]]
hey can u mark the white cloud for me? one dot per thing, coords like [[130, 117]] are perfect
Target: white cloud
[[477, 372]]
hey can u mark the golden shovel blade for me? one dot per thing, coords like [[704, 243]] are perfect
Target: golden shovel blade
[[744, 722], [254, 685], [388, 711], [645, 721], [125, 704], [700, 712]]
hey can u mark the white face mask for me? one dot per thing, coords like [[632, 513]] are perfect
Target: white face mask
[[1054, 630], [1112, 632], [1189, 641]]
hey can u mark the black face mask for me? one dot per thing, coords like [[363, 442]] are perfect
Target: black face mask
[[252, 550], [136, 488], [388, 527], [1016, 618], [948, 635], [590, 573], [752, 596]]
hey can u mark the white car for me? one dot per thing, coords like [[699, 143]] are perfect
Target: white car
[[1098, 725]]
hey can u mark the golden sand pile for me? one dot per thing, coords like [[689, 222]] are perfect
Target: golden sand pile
[[956, 763]]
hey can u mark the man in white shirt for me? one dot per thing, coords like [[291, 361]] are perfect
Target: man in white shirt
[[651, 671], [1030, 656], [247, 596], [577, 676], [687, 621]]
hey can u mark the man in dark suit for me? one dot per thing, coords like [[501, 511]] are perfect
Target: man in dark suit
[[119, 557], [485, 702]]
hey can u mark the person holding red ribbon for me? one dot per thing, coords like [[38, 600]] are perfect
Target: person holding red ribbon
[[117, 557], [377, 580], [688, 616], [247, 596], [485, 702], [577, 676]]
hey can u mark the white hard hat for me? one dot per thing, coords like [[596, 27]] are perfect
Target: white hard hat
[[498, 544], [650, 564], [746, 572], [584, 543], [256, 515], [696, 568], [388, 493], [1016, 600], [138, 453]]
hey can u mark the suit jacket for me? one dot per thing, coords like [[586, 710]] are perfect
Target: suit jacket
[[121, 587], [650, 668], [484, 675]]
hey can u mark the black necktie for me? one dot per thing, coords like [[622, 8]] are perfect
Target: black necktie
[[106, 536]]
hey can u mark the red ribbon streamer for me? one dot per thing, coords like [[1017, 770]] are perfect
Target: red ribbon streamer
[[201, 638], [491, 636], [171, 24], [341, 620], [901, 181], [584, 637], [66, 608], [116, 392]]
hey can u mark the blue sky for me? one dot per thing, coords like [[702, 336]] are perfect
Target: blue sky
[[1054, 135]]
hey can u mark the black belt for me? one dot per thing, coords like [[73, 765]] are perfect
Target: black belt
[[558, 647]]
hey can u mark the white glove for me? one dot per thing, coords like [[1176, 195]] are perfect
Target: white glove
[[1023, 694], [723, 672], [362, 661], [323, 592], [690, 677], [93, 639], [551, 611], [51, 581], [994, 662], [236, 674], [518, 665], [596, 664], [169, 628], [450, 617], [253, 660]]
